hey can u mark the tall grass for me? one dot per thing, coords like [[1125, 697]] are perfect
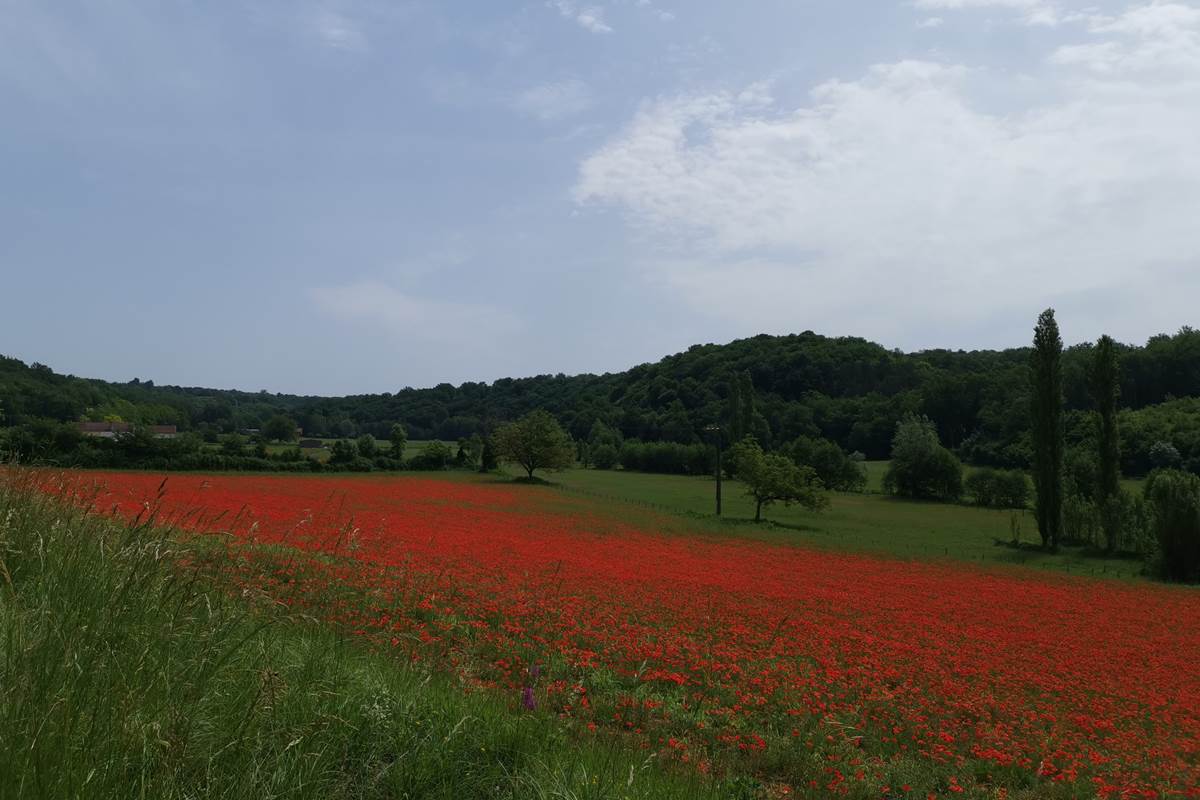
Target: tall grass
[[126, 674]]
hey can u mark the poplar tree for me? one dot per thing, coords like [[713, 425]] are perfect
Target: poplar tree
[[1105, 386], [1047, 419]]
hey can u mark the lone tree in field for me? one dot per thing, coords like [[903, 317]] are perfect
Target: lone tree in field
[[535, 441], [1047, 419], [772, 478], [1104, 379], [279, 429]]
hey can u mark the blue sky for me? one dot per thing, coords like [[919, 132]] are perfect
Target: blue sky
[[342, 197]]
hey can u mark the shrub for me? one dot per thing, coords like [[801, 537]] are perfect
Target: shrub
[[604, 456], [669, 458], [436, 456], [1174, 498], [921, 468], [836, 470], [998, 488]]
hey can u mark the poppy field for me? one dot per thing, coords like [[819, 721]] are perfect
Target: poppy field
[[818, 673]]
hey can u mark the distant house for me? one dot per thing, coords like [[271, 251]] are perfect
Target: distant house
[[310, 444], [109, 430], [106, 430]]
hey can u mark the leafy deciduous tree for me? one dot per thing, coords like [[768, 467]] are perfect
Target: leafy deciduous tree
[[921, 468], [536, 441], [771, 478], [398, 437], [279, 428]]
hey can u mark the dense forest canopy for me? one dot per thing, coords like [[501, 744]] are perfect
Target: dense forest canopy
[[845, 389]]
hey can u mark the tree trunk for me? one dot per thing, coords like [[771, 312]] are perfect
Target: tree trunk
[[758, 512]]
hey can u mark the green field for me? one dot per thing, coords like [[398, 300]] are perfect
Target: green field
[[869, 522]]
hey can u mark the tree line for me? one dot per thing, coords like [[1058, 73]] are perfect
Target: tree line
[[845, 390]]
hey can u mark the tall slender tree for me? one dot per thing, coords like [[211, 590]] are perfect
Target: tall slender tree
[[1047, 413], [1105, 379]]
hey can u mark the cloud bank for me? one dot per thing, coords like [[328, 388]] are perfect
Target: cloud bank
[[897, 206]]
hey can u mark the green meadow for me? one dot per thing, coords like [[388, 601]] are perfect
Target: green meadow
[[868, 522]]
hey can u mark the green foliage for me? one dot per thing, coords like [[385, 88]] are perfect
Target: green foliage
[[279, 428], [605, 456], [1174, 498], [995, 488], [1046, 389], [1081, 520], [1164, 455], [1176, 422], [435, 457], [836, 469], [921, 468], [398, 438], [1105, 379], [667, 457], [1105, 376], [847, 390], [771, 478], [470, 450], [488, 460], [367, 448], [536, 441], [343, 452], [233, 444]]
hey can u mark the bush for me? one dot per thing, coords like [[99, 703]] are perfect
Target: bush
[[998, 488], [921, 468], [435, 457], [1174, 499], [836, 470], [1081, 520], [605, 456]]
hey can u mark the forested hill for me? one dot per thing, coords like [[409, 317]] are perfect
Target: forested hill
[[845, 389]]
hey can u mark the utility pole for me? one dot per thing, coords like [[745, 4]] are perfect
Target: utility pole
[[717, 429]]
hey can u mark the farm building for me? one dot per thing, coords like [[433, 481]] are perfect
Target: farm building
[[109, 430]]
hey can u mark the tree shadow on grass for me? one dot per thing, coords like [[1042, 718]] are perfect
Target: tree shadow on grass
[[531, 481], [766, 524]]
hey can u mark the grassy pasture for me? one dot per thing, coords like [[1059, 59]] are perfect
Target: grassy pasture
[[869, 522]]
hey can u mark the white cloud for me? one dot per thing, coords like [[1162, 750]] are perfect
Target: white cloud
[[931, 22], [1035, 12], [893, 205], [590, 18], [554, 101], [409, 318]]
